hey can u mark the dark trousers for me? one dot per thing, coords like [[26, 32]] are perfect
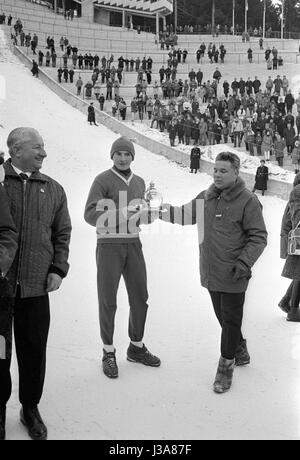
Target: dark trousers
[[295, 294], [237, 138], [30, 318], [229, 311], [113, 261]]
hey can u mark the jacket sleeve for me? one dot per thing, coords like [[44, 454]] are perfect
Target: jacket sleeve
[[97, 205], [8, 235], [255, 230], [61, 236], [96, 194], [188, 214], [286, 227]]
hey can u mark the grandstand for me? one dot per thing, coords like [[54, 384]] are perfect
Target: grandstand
[[126, 12], [106, 40]]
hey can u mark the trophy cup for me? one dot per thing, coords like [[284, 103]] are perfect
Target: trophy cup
[[153, 198]]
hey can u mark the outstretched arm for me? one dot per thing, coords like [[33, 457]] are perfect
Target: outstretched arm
[[187, 214]]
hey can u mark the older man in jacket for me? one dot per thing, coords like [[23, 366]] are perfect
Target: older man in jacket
[[232, 237], [8, 247], [39, 210]]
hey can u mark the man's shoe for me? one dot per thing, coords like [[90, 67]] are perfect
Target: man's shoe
[[142, 355], [242, 356], [284, 304], [224, 375], [109, 364], [2, 423], [294, 315], [32, 420]]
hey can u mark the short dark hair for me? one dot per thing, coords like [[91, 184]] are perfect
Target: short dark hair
[[231, 157]]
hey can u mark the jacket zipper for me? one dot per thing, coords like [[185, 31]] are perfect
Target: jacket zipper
[[22, 232], [214, 218]]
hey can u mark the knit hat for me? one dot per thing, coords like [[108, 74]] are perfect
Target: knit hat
[[123, 143]]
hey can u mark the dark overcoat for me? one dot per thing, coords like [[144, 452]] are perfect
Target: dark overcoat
[[291, 219], [195, 158], [261, 178]]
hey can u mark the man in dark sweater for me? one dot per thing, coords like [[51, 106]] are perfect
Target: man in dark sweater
[[115, 206]]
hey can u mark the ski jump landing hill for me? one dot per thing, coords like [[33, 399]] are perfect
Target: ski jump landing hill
[[36, 18]]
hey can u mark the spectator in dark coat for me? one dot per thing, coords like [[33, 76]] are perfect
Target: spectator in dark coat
[[91, 114], [188, 130], [289, 101], [66, 74], [279, 146], [250, 55], [195, 159], [217, 129], [296, 156], [71, 74], [59, 74], [41, 57], [231, 240], [172, 133], [261, 178], [44, 227], [101, 101], [289, 136], [35, 69]]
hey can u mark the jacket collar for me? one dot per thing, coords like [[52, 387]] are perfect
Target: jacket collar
[[35, 176], [127, 180], [228, 194]]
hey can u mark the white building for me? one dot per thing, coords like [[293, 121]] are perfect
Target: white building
[[127, 12]]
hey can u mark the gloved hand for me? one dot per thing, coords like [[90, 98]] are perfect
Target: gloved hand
[[241, 270]]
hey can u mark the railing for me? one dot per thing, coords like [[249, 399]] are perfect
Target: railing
[[273, 34], [50, 6], [184, 69], [41, 2]]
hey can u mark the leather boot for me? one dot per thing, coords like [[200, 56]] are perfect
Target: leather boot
[[242, 356], [224, 375], [31, 419], [2, 423], [294, 315]]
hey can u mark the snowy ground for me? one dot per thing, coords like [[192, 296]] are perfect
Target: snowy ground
[[175, 401]]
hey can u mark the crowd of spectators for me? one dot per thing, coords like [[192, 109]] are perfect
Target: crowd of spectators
[[219, 29], [201, 113], [191, 111]]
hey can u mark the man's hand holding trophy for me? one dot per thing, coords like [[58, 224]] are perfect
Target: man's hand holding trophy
[[149, 209]]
